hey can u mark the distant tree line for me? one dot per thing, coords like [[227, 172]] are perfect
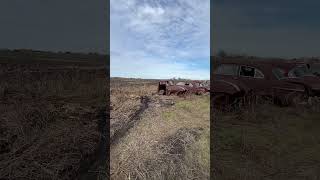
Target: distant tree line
[[32, 51], [224, 54]]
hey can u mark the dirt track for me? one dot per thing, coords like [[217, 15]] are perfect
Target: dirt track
[[144, 100]]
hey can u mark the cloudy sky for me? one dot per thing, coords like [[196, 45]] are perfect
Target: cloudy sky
[[160, 38], [286, 28], [54, 25]]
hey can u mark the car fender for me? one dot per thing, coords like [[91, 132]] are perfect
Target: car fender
[[225, 86]]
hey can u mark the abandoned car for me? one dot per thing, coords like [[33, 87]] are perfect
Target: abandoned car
[[300, 73], [235, 81], [182, 88]]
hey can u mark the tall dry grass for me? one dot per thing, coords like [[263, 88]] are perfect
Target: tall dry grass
[[49, 122], [265, 141], [166, 142]]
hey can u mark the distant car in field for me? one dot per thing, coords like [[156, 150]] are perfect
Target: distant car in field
[[234, 80], [193, 87]]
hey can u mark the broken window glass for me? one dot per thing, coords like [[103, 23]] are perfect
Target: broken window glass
[[227, 69], [247, 71]]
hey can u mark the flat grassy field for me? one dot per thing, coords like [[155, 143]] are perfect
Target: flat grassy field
[[52, 115], [163, 138], [267, 142]]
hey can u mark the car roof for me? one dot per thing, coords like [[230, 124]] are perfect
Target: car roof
[[260, 65], [263, 64]]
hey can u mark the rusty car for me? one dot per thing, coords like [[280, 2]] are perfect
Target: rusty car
[[300, 73], [235, 80], [168, 87]]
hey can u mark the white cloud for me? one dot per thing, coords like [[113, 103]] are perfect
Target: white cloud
[[139, 65], [163, 31]]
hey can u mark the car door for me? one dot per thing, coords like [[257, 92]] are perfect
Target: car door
[[255, 79], [284, 89], [226, 79]]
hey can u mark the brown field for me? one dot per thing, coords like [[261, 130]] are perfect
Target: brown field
[[52, 116], [267, 142], [157, 137], [53, 126]]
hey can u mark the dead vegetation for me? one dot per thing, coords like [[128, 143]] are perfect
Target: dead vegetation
[[265, 141], [49, 119], [169, 139], [125, 101]]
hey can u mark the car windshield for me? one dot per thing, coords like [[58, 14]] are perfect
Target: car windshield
[[279, 73], [315, 69], [300, 71]]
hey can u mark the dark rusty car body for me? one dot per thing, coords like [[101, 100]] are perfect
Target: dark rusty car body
[[301, 73], [181, 88], [236, 79]]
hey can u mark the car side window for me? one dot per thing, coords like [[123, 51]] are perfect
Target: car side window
[[189, 84], [278, 73], [247, 71], [315, 69], [298, 71], [258, 74], [227, 69]]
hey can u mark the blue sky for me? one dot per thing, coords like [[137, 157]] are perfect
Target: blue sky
[[286, 28], [59, 25], [160, 39]]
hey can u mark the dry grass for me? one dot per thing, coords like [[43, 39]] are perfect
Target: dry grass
[[165, 142], [125, 100], [49, 120], [267, 142]]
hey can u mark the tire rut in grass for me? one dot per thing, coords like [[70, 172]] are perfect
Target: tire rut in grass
[[144, 100], [95, 167]]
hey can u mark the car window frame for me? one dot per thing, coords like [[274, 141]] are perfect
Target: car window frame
[[315, 68], [255, 70], [291, 72], [273, 73], [237, 70]]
